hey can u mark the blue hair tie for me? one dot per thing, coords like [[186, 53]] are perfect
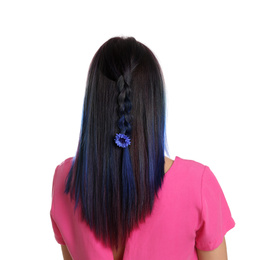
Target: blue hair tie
[[122, 140]]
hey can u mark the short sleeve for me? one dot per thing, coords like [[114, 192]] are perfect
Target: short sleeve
[[56, 230], [57, 233], [216, 219]]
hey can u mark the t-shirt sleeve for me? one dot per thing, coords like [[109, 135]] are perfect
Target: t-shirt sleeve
[[216, 219], [56, 230], [57, 233]]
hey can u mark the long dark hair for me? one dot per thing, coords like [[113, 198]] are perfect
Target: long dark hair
[[115, 186]]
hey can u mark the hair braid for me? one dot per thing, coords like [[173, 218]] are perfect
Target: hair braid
[[124, 122], [129, 194]]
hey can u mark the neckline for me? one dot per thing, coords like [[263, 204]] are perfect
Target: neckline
[[172, 166]]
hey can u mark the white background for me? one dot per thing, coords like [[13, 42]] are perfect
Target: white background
[[220, 63]]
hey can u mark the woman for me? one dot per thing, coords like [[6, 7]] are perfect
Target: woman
[[119, 197]]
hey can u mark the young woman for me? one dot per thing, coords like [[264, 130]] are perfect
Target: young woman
[[120, 197]]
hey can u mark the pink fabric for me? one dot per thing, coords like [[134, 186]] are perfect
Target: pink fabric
[[191, 211]]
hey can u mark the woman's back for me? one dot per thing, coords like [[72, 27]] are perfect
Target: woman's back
[[190, 212]]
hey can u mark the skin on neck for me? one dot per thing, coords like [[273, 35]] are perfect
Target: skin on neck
[[168, 163]]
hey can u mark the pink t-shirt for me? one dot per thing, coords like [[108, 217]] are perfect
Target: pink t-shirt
[[191, 211]]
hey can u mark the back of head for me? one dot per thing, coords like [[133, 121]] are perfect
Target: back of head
[[119, 164]]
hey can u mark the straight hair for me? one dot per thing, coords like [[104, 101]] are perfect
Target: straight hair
[[114, 186]]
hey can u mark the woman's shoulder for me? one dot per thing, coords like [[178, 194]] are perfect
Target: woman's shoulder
[[62, 170], [66, 163], [189, 166], [186, 175], [196, 174]]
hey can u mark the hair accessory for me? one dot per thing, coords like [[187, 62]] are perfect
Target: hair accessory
[[122, 140]]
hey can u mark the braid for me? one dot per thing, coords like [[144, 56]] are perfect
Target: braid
[[124, 122], [128, 191]]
